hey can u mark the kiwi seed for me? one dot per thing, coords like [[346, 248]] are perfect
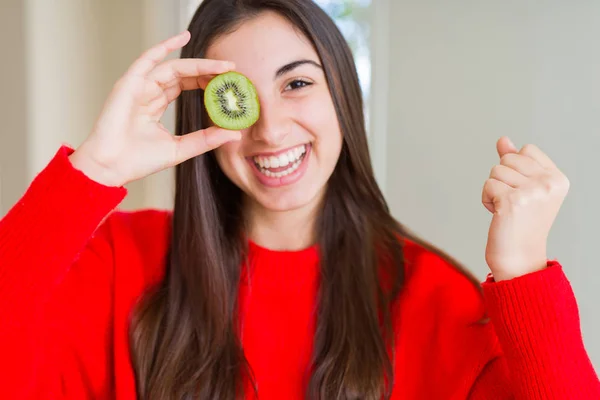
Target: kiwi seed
[[231, 101]]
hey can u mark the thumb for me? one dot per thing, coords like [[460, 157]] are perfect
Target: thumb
[[505, 146], [195, 143]]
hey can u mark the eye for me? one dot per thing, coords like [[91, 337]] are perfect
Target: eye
[[297, 84]]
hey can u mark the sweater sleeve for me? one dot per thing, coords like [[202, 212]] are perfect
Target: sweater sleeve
[[536, 319], [51, 229]]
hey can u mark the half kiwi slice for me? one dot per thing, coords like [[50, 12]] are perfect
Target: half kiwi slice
[[231, 101]]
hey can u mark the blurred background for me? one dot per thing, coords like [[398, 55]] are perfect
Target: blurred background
[[442, 82]]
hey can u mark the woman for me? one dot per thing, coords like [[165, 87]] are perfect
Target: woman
[[296, 287]]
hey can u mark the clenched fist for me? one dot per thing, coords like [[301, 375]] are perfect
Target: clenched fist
[[524, 192]]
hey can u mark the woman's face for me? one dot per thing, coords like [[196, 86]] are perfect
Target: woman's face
[[283, 161]]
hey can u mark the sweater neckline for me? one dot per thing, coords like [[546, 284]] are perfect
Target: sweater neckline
[[310, 252], [281, 269]]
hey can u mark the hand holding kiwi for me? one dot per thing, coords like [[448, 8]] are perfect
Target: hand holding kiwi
[[128, 141]]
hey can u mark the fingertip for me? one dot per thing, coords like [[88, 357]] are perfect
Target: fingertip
[[226, 135], [232, 136], [505, 146], [227, 66], [510, 143], [183, 37]]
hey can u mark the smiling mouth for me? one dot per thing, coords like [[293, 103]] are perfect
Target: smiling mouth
[[282, 164]]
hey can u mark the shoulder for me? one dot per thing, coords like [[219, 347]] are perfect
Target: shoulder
[[148, 229], [436, 281], [140, 241], [144, 223], [440, 319]]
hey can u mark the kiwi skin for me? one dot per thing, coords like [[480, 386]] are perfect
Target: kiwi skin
[[239, 90]]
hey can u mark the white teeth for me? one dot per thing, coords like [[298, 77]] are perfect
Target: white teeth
[[282, 160], [283, 173], [274, 161], [290, 159]]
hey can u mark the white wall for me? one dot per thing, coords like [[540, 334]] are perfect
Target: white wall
[[462, 74], [65, 57], [13, 131], [65, 71]]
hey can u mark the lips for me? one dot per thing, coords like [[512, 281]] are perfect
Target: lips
[[281, 162], [281, 168]]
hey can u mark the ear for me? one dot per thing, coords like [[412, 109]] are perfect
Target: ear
[[505, 146]]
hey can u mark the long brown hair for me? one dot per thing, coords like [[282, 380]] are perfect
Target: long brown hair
[[183, 336]]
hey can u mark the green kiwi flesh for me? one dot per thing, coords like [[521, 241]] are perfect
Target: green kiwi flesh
[[231, 101]]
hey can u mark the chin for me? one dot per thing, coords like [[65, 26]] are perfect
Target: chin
[[290, 200]]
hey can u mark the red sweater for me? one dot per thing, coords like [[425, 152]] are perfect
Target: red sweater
[[67, 288]]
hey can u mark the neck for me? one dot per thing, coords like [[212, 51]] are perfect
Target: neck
[[282, 230]]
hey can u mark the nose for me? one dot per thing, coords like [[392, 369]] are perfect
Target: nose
[[273, 125]]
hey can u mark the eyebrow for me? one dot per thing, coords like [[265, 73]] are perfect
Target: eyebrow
[[293, 65]]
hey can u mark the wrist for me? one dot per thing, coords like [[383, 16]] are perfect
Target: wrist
[[94, 170], [516, 270]]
